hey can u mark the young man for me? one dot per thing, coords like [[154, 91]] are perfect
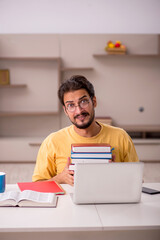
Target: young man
[[77, 96]]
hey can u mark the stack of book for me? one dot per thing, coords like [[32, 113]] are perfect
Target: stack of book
[[90, 153]]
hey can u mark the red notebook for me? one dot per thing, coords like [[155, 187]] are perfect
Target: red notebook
[[46, 186]]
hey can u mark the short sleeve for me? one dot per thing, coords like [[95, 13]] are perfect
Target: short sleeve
[[130, 154], [45, 167]]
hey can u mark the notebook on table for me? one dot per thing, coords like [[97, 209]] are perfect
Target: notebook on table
[[108, 183]]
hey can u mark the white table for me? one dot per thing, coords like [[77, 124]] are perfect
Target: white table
[[70, 221]]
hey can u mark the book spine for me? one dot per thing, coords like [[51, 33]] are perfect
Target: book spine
[[90, 160], [90, 150], [91, 156]]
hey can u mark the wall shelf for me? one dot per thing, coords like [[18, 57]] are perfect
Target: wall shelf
[[31, 74], [76, 69], [125, 55], [142, 131], [146, 142], [34, 144], [145, 128], [30, 58], [14, 86], [14, 114]]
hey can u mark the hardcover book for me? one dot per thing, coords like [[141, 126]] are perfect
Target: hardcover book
[[90, 160], [92, 148], [91, 155], [28, 198]]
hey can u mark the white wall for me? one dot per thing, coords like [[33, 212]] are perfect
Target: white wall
[[79, 16]]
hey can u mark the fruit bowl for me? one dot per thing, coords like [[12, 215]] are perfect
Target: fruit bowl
[[116, 48], [116, 51]]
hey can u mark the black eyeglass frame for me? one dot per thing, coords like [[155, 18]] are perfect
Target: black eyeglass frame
[[79, 105]]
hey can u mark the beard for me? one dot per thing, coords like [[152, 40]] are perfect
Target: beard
[[84, 125]]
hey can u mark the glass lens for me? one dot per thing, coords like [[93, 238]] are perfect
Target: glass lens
[[71, 107], [84, 103]]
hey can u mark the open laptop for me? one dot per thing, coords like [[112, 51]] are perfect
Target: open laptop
[[108, 183]]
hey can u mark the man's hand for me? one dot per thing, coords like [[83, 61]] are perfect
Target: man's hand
[[66, 176]]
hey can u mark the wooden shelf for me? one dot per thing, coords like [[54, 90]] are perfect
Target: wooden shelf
[[150, 161], [141, 128], [14, 86], [146, 142], [143, 131], [125, 55], [76, 69], [105, 120], [30, 58], [14, 114], [34, 144], [159, 43]]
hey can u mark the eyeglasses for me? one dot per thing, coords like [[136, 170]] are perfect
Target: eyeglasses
[[71, 107]]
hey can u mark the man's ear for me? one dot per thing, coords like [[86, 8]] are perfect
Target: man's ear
[[65, 110], [94, 100]]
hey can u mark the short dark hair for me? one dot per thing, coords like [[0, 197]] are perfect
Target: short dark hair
[[74, 83]]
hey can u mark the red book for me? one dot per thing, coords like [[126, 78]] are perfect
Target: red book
[[90, 147], [46, 186]]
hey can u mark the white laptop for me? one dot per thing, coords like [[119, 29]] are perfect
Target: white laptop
[[108, 183]]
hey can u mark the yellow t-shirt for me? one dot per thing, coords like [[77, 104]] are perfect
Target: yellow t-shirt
[[56, 148]]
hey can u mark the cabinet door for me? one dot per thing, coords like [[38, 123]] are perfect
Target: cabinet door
[[17, 172], [151, 172]]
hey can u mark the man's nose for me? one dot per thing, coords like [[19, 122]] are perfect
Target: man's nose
[[78, 109]]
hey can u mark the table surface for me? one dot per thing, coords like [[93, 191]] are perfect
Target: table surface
[[70, 217]]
